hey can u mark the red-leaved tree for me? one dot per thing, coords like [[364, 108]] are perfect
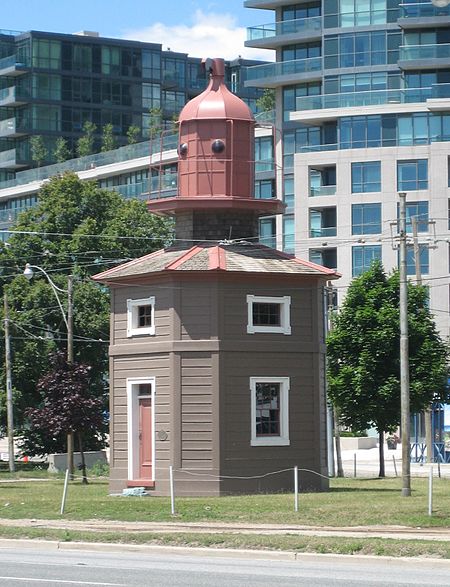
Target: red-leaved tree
[[67, 405]]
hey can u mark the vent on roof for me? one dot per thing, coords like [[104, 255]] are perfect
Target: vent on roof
[[87, 34]]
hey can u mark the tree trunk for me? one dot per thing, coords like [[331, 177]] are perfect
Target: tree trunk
[[337, 436], [83, 462], [382, 472]]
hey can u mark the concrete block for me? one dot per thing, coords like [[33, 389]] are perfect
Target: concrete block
[[58, 462]]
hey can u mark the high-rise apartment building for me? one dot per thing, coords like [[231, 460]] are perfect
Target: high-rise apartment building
[[52, 83], [363, 112]]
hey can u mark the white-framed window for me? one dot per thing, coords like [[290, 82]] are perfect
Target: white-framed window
[[269, 411], [269, 314], [141, 316]]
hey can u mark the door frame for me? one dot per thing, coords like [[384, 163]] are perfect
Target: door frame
[[133, 425]]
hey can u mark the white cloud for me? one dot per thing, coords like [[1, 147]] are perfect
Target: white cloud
[[210, 34]]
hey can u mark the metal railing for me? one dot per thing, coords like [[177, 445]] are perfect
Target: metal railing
[[322, 190], [285, 27], [322, 232], [422, 9], [434, 51], [368, 98], [295, 66]]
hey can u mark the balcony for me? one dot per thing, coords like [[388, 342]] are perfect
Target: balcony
[[9, 160], [266, 4], [12, 97], [424, 56], [10, 128], [322, 222], [413, 15], [369, 98], [271, 75], [322, 190], [12, 67], [273, 35]]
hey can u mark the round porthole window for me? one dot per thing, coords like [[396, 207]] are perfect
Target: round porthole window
[[182, 149], [218, 146]]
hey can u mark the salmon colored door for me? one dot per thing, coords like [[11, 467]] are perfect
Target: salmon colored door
[[145, 438]]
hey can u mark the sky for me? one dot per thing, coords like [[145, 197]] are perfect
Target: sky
[[202, 28]]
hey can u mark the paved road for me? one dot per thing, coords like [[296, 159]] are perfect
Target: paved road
[[36, 566]]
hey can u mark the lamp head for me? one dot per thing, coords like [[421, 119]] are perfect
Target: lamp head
[[440, 3], [28, 272]]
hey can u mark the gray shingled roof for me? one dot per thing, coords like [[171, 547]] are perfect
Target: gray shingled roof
[[227, 257]]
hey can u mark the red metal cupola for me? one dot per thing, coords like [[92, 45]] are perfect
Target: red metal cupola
[[216, 164]]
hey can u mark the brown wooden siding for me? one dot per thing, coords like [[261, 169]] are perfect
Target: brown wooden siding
[[130, 367], [196, 410], [163, 303]]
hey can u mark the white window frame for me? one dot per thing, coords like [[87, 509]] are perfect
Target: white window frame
[[132, 315], [283, 438], [285, 314], [133, 425]]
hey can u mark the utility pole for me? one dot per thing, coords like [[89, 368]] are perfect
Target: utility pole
[[9, 398], [70, 439], [428, 411], [330, 419], [404, 353]]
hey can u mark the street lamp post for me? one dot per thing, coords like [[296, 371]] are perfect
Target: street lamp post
[[68, 321], [404, 352]]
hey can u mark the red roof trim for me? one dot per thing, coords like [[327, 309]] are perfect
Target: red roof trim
[[110, 272], [184, 257], [217, 259]]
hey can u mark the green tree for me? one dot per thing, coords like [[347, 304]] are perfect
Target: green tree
[[266, 102], [85, 144], [39, 152], [62, 152], [108, 139], [155, 122], [364, 354], [133, 134], [75, 228]]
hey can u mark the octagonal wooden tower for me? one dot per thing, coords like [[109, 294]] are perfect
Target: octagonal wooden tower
[[217, 345]]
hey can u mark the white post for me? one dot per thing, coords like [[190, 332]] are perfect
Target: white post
[[172, 492], [296, 488], [395, 465], [430, 492], [63, 502], [354, 464]]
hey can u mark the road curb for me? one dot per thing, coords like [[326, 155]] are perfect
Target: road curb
[[202, 552]]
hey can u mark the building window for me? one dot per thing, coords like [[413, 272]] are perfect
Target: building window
[[269, 411], [366, 177], [418, 210], [412, 175], [267, 232], [362, 258], [424, 259], [141, 316], [366, 218], [324, 257], [268, 314]]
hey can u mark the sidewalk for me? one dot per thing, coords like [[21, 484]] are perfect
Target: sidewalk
[[392, 532], [367, 464]]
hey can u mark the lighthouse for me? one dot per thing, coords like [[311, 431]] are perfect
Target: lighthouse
[[217, 342]]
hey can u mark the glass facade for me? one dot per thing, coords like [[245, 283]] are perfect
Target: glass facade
[[412, 175], [366, 218], [366, 177], [363, 256], [61, 81]]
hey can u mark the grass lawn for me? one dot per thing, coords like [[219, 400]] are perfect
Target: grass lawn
[[350, 502]]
